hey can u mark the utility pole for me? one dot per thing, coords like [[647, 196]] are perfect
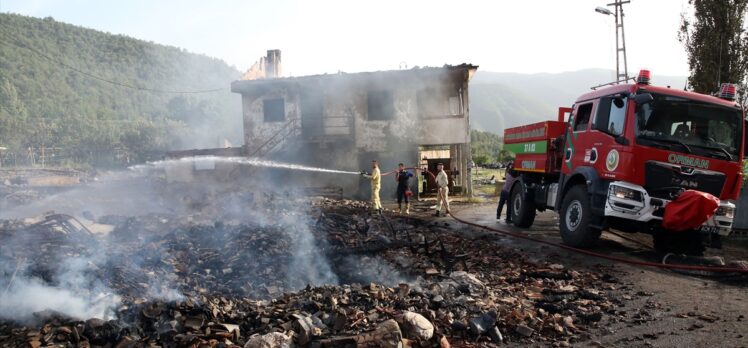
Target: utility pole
[[621, 75]]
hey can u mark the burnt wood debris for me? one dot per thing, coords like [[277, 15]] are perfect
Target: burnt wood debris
[[392, 281]]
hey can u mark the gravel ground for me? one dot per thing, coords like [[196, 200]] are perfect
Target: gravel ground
[[663, 308]]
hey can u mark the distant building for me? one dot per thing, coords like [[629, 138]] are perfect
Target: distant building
[[417, 116]]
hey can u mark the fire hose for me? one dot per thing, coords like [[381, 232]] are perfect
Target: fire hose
[[605, 256], [617, 259]]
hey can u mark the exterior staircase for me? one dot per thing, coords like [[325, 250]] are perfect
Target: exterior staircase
[[288, 131]]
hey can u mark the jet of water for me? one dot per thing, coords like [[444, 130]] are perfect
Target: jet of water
[[255, 162]]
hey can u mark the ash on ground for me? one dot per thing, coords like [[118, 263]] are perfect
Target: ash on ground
[[324, 275]]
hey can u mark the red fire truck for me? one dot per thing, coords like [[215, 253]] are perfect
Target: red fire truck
[[624, 153]]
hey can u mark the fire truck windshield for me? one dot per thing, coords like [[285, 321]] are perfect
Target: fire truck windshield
[[690, 126]]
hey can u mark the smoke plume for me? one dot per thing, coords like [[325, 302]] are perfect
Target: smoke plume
[[80, 274]]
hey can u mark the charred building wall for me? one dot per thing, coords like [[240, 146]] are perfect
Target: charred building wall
[[344, 121]]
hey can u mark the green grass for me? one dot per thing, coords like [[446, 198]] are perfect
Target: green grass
[[476, 199], [483, 173], [488, 190]]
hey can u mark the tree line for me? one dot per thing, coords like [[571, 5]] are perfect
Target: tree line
[[53, 110], [76, 96], [716, 43], [487, 147]]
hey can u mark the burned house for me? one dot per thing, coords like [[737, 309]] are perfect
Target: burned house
[[417, 116]]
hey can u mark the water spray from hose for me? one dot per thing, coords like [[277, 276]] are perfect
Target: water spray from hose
[[254, 162]]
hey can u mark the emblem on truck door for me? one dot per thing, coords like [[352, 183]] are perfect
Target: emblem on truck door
[[611, 162]]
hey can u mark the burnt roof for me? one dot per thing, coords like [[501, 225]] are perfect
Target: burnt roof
[[462, 72]]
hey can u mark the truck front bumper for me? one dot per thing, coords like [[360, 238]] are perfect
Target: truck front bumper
[[632, 202]]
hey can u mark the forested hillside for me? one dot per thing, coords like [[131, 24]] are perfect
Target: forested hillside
[[80, 96], [486, 147], [503, 100], [71, 95], [495, 106]]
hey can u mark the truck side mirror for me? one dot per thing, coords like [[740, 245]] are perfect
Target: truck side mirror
[[643, 98]]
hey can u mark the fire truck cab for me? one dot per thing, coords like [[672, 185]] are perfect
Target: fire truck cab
[[625, 152]]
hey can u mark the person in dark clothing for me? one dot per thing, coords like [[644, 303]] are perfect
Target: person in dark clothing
[[511, 176], [403, 190]]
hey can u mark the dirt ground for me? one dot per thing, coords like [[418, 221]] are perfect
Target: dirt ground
[[662, 308], [653, 307]]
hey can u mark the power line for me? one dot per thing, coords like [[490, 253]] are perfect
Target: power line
[[102, 79]]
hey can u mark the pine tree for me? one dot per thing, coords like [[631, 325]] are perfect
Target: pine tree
[[12, 116], [716, 42]]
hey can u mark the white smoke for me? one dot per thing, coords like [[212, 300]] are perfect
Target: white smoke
[[73, 285], [73, 292], [309, 265], [27, 296]]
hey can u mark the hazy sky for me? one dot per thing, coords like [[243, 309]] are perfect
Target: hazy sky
[[321, 36]]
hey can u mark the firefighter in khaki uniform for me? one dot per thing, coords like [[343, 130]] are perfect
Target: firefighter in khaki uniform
[[376, 185], [442, 183]]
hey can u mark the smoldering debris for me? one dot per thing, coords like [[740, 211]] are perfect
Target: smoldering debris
[[106, 193], [258, 260], [355, 280], [49, 261]]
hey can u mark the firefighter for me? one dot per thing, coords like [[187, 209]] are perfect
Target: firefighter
[[442, 184], [403, 191], [376, 178], [511, 175]]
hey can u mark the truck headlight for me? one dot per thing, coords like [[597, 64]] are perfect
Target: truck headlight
[[625, 193], [624, 199], [726, 211]]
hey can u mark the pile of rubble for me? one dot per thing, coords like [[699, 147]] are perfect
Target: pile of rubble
[[23, 186], [402, 281]]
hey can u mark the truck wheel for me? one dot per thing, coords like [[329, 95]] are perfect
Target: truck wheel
[[523, 209], [575, 218]]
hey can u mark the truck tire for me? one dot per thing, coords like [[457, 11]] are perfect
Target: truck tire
[[523, 208], [575, 217]]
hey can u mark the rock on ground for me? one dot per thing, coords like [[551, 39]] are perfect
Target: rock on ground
[[417, 327], [271, 340]]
